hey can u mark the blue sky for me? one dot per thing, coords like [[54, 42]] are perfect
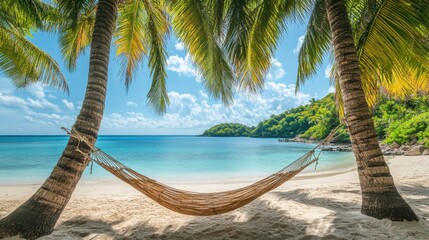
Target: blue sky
[[41, 109]]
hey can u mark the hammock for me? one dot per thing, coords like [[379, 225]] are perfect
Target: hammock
[[194, 203]]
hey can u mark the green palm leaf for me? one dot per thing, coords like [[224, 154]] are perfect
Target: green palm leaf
[[392, 50], [24, 63], [131, 38], [76, 36], [253, 31], [157, 26], [316, 44], [190, 20]]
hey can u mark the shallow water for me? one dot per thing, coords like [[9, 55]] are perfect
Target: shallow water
[[30, 159]]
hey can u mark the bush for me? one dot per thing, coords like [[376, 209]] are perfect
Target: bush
[[415, 128]]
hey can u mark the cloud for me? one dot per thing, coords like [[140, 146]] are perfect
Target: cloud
[[328, 71], [179, 46], [131, 103], [51, 119], [36, 90], [32, 113], [188, 111], [276, 72], [331, 89], [203, 94], [299, 44], [181, 65], [68, 104], [9, 100]]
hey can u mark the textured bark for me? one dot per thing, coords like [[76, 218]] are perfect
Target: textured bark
[[38, 215], [380, 199]]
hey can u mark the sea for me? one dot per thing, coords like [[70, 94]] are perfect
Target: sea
[[30, 159]]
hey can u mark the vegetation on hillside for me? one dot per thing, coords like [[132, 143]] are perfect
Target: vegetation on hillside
[[313, 121], [228, 130], [402, 121], [399, 121]]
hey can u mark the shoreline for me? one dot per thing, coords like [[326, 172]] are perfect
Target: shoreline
[[244, 179]]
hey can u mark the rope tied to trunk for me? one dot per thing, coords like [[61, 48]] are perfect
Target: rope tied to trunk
[[73, 133]]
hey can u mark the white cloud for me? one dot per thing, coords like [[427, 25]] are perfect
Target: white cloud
[[299, 44], [36, 90], [328, 71], [8, 100], [179, 46], [203, 94], [52, 96], [188, 111], [131, 103], [12, 101], [42, 104], [181, 65], [68, 104], [276, 72], [35, 112], [331, 89]]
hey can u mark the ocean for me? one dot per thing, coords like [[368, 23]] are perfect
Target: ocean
[[30, 159]]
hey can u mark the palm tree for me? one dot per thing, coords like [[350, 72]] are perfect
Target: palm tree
[[20, 60], [37, 216], [380, 199], [391, 44], [141, 30]]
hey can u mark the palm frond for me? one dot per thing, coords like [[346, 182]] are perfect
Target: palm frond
[[253, 31], [26, 14], [316, 43], [24, 63], [392, 52], [72, 10], [218, 9], [191, 22], [268, 25], [158, 27], [74, 38], [131, 38]]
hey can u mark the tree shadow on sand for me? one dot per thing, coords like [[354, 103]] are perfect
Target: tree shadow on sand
[[260, 220], [348, 221], [282, 215]]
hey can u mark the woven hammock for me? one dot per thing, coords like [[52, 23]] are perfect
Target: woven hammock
[[194, 203], [200, 204]]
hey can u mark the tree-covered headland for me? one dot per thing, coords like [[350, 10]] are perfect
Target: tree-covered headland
[[399, 121]]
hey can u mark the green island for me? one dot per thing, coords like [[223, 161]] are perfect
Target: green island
[[400, 121]]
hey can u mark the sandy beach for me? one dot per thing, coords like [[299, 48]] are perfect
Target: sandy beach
[[324, 205]]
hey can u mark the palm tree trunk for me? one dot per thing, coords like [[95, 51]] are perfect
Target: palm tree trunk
[[38, 215], [380, 199]]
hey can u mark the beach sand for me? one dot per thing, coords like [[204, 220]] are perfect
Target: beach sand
[[316, 206]]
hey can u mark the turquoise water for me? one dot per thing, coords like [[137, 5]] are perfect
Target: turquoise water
[[30, 159]]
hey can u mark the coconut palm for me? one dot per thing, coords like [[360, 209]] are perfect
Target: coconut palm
[[20, 60], [390, 40], [141, 30], [378, 47]]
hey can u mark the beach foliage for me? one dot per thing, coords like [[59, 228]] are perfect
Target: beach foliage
[[20, 60], [403, 121]]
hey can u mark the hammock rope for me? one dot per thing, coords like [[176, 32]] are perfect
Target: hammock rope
[[195, 203]]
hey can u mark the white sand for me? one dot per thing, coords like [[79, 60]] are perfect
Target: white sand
[[309, 207]]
